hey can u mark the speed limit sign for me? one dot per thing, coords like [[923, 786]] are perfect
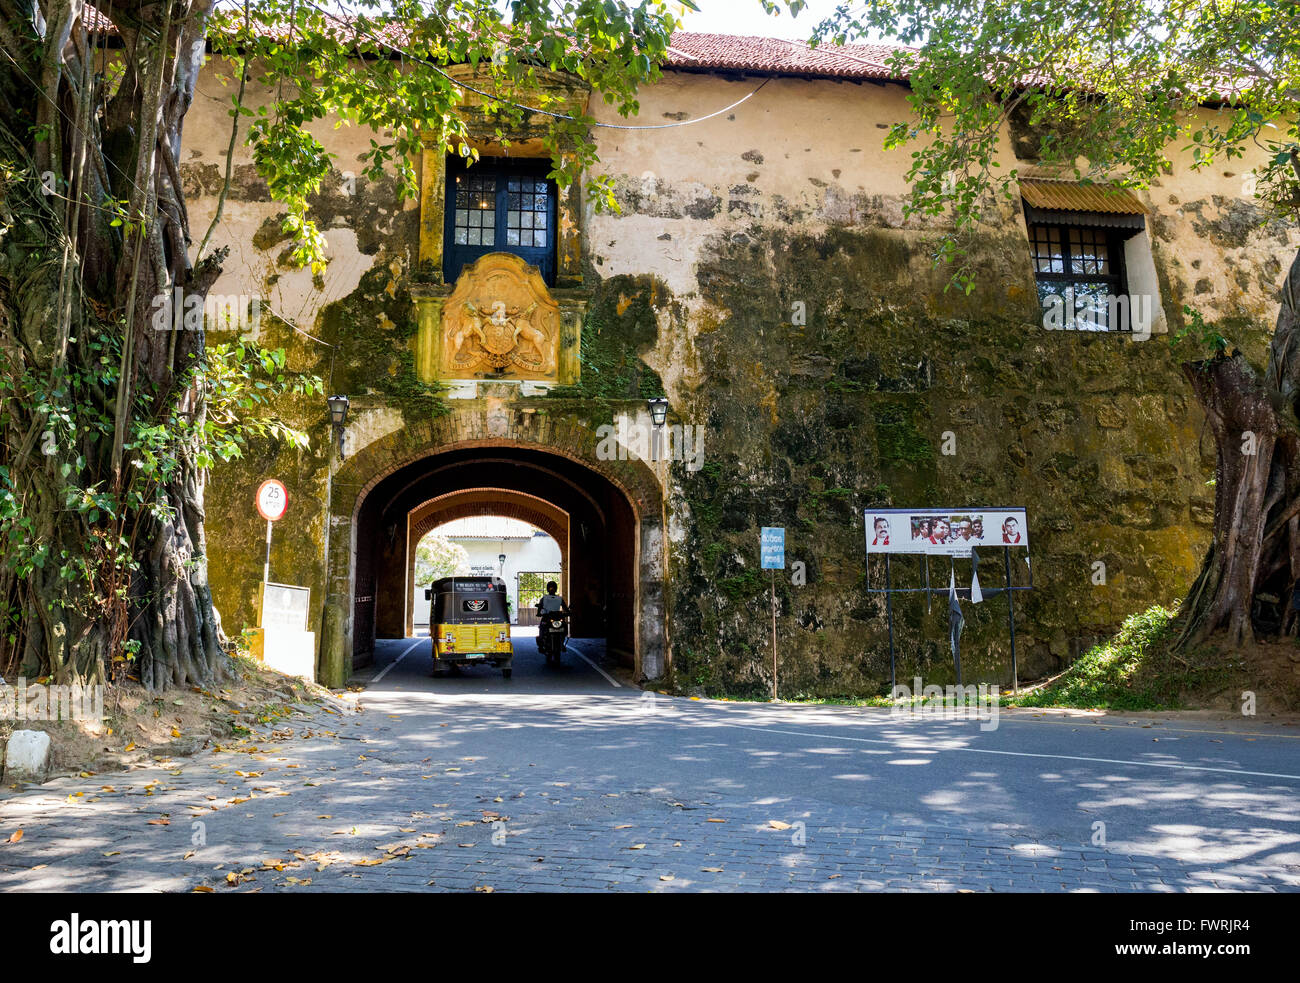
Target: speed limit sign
[[272, 500]]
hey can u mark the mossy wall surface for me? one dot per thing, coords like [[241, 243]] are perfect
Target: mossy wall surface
[[693, 291], [808, 425]]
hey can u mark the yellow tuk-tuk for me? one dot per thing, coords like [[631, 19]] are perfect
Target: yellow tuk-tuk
[[469, 623]]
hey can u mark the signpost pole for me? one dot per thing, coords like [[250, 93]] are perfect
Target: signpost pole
[[771, 554], [889, 616], [266, 568], [1011, 620], [773, 636]]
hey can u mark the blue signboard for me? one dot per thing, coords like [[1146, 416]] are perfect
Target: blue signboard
[[772, 547]]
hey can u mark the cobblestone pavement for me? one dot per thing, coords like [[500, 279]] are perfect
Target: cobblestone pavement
[[565, 782]]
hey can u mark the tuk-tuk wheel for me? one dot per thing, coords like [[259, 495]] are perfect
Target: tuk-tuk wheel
[[506, 673]]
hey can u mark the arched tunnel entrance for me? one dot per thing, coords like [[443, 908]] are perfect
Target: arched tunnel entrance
[[604, 562]]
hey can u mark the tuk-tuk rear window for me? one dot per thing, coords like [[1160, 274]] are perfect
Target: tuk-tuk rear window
[[479, 607]]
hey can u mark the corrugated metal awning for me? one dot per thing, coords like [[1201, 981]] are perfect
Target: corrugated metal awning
[[1071, 196], [1051, 202]]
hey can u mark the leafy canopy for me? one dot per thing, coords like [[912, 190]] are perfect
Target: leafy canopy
[[1111, 87], [383, 65]]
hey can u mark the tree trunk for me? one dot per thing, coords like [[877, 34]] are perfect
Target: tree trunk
[[1256, 545], [100, 563]]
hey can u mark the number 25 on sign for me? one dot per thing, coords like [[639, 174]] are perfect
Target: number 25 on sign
[[272, 500]]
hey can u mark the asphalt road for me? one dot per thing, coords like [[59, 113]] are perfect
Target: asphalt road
[[1220, 801], [572, 779]]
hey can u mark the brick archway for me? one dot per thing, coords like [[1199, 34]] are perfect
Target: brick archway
[[554, 459], [485, 501]]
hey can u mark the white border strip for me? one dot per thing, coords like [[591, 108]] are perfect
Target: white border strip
[[389, 668]]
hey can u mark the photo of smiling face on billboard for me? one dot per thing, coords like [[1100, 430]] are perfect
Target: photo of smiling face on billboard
[[880, 527], [942, 532]]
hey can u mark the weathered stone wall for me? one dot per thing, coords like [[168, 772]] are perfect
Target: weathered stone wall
[[790, 199], [725, 226]]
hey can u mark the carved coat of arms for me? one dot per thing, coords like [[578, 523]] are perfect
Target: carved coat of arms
[[500, 321]]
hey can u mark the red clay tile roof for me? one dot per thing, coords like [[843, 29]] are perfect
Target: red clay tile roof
[[689, 51], [773, 56]]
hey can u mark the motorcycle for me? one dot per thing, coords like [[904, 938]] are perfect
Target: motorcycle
[[552, 635]]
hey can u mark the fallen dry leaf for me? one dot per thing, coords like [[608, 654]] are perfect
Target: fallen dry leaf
[[777, 824], [15, 836]]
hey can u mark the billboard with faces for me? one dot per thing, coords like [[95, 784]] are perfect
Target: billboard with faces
[[944, 532]]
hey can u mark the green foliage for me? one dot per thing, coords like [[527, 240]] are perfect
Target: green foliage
[[898, 438], [1128, 672], [1203, 338], [384, 67], [745, 584], [1115, 84], [437, 557], [239, 384]]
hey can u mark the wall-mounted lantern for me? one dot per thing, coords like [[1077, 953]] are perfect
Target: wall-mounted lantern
[[658, 409], [338, 417]]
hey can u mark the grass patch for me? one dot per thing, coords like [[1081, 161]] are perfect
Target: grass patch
[[1132, 671]]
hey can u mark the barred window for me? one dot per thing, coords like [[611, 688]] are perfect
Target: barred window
[[528, 209], [1081, 269], [499, 205], [476, 216]]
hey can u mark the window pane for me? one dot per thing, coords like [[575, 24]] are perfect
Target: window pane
[[1049, 293], [477, 199], [1045, 243], [1092, 313]]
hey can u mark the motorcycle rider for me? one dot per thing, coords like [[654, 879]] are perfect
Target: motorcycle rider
[[551, 608]]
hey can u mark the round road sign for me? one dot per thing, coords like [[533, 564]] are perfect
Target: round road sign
[[272, 500]]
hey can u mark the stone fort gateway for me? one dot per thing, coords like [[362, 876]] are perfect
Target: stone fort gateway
[[500, 342]]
